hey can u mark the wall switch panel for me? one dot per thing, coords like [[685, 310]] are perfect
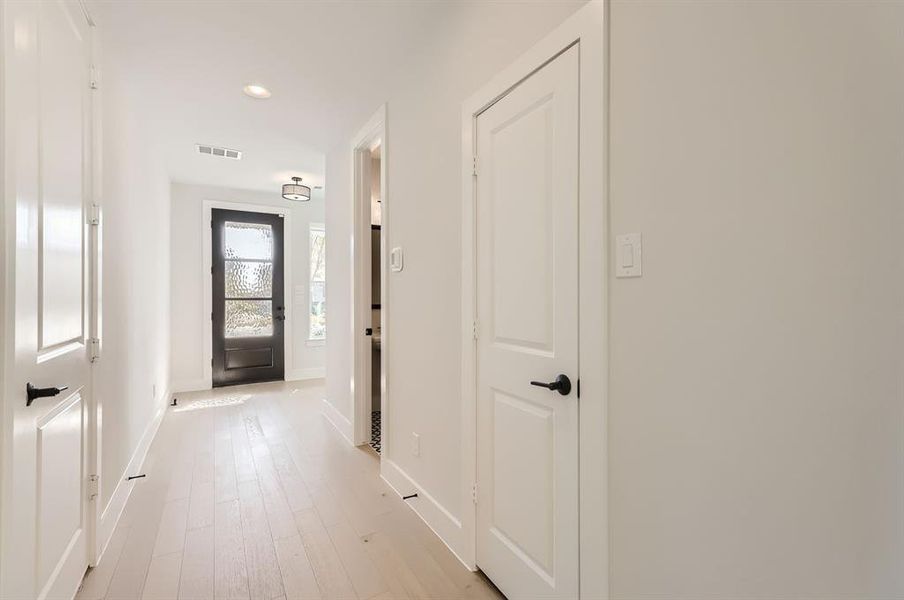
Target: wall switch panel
[[628, 255], [396, 260]]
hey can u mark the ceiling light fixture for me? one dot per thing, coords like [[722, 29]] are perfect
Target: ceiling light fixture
[[256, 91], [296, 191]]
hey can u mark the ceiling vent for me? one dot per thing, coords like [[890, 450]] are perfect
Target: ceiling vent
[[221, 152]]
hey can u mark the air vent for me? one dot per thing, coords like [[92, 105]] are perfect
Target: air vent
[[221, 152]]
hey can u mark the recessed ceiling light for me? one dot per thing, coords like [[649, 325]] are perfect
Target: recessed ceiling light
[[256, 91]]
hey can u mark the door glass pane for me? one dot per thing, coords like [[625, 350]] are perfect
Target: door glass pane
[[249, 318], [246, 279], [248, 240]]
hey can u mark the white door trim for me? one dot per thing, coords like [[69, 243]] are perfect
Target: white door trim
[[206, 276], [370, 136], [588, 28]]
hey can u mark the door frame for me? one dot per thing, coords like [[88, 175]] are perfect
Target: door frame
[[370, 136], [587, 27], [207, 277]]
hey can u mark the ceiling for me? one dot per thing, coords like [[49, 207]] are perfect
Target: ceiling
[[327, 63]]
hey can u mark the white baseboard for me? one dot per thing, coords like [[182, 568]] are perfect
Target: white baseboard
[[441, 521], [190, 385], [338, 420], [113, 510], [302, 374]]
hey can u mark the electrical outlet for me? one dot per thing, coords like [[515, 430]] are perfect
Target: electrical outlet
[[415, 444]]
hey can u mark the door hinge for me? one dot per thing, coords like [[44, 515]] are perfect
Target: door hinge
[[92, 78], [474, 166], [94, 349], [94, 214], [474, 493], [475, 330], [92, 487]]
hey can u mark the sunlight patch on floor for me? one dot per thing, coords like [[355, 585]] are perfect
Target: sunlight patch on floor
[[213, 403]]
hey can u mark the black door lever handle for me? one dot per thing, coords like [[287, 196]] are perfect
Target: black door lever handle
[[32, 393], [562, 385]]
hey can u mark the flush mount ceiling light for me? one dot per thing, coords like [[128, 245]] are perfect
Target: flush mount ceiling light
[[296, 191], [256, 91]]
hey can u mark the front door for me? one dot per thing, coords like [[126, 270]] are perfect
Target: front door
[[527, 313], [47, 401], [248, 308]]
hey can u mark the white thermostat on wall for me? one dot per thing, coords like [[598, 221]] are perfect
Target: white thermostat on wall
[[395, 259]]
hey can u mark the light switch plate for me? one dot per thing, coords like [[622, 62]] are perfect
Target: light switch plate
[[396, 259], [628, 255]]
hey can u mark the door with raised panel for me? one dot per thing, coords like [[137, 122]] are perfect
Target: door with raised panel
[[248, 306], [527, 307], [47, 189]]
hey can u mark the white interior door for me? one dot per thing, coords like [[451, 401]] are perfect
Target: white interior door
[[527, 311], [46, 54]]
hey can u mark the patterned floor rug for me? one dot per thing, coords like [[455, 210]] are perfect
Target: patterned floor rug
[[375, 430]]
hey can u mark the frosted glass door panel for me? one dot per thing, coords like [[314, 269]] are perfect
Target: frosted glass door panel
[[249, 279], [248, 240], [249, 318], [248, 264]]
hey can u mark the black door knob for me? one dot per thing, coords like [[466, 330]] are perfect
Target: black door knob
[[562, 385], [369, 331], [32, 392]]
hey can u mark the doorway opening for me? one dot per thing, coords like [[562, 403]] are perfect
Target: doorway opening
[[376, 307], [369, 290]]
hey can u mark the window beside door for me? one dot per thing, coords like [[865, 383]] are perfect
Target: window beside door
[[317, 295]]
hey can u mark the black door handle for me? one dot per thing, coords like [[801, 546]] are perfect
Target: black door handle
[[562, 385], [369, 331], [280, 313], [32, 392]]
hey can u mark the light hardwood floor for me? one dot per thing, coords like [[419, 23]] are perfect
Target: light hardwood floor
[[250, 493]]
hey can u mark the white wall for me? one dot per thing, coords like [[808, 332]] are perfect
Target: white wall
[[132, 375], [471, 43], [338, 217], [307, 359], [756, 415]]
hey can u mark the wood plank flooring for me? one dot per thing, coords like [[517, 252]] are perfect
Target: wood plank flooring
[[251, 494]]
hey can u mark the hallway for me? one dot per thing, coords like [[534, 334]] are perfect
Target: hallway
[[250, 493], [322, 299]]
